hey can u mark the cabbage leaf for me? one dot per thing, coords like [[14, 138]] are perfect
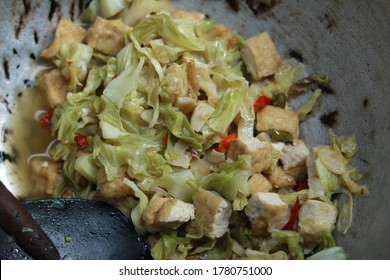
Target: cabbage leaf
[[231, 182]]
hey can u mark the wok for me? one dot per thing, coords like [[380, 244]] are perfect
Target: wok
[[347, 39]]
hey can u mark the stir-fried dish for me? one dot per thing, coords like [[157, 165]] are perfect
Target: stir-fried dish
[[186, 127]]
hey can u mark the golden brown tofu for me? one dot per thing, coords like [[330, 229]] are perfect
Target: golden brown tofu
[[167, 212], [293, 155], [194, 16], [45, 173], [66, 33], [281, 179], [259, 183], [315, 217], [175, 83], [260, 152], [185, 104], [53, 87], [221, 31], [115, 189], [277, 118], [107, 36], [212, 212], [266, 212], [260, 56]]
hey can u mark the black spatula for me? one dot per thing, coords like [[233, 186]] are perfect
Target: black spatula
[[76, 229]]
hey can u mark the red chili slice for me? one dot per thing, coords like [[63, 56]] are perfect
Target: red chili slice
[[262, 102], [225, 142], [293, 216], [302, 185], [81, 141], [164, 139], [45, 119]]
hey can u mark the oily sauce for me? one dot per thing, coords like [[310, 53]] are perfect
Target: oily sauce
[[28, 137]]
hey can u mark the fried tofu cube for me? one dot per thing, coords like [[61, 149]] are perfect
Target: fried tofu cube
[[267, 213], [175, 82], [66, 33], [277, 118], [53, 87], [260, 56], [260, 152], [185, 104], [213, 211], [194, 16], [45, 173], [293, 155], [259, 183], [115, 189], [281, 179], [316, 217], [167, 212], [107, 36], [221, 31]]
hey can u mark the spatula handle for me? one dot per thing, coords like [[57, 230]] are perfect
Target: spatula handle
[[18, 222]]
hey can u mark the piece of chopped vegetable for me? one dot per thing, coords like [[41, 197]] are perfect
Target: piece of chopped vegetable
[[293, 216], [279, 135], [225, 142], [306, 108], [45, 119], [262, 102], [279, 100], [81, 141]]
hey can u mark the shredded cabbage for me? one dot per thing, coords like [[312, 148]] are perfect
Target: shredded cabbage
[[136, 111]]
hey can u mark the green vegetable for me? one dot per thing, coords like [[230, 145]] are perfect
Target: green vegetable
[[217, 249], [140, 162], [325, 240], [334, 253], [231, 183], [320, 79], [94, 80], [178, 125], [293, 241], [73, 60], [136, 212], [68, 119], [165, 247], [180, 184], [279, 100], [139, 9], [103, 8], [125, 84], [345, 205], [162, 25], [332, 159], [280, 135], [258, 255], [328, 180], [348, 146], [353, 187], [306, 108], [245, 128], [226, 110], [86, 166]]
